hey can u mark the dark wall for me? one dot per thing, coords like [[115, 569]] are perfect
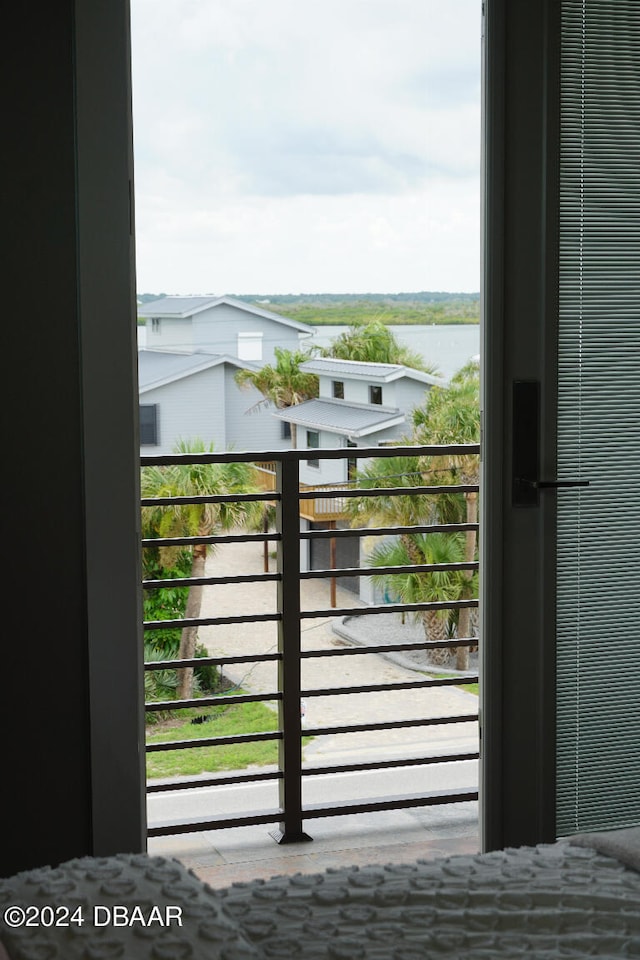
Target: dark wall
[[46, 787], [49, 727]]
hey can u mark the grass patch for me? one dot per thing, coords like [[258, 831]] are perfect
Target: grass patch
[[225, 720], [469, 687]]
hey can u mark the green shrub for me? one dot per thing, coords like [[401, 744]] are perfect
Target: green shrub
[[169, 603]]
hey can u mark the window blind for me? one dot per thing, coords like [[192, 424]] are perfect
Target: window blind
[[598, 545]]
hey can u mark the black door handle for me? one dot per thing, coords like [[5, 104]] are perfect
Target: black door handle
[[525, 464], [554, 484]]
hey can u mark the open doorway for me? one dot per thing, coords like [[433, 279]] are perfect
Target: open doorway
[[308, 186]]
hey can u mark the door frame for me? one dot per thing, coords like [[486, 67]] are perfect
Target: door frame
[[518, 342]]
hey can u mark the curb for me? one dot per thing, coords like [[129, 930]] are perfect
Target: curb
[[341, 628]]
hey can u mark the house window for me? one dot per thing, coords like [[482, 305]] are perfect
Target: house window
[[286, 430], [375, 394], [250, 346], [149, 424], [313, 441], [155, 324], [338, 389], [352, 462]]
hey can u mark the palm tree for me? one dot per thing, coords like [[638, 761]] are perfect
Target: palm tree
[[411, 549], [373, 341], [385, 509], [441, 585], [200, 519], [283, 384], [452, 415]]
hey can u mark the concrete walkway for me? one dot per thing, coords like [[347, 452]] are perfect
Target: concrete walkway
[[456, 823], [318, 673]]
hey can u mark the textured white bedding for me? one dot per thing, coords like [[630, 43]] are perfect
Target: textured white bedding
[[555, 901]]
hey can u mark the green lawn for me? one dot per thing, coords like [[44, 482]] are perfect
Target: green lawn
[[225, 721]]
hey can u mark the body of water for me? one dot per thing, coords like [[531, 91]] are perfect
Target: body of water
[[448, 346]]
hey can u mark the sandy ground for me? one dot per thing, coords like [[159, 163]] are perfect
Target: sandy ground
[[321, 673]]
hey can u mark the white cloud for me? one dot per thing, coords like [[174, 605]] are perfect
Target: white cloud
[[306, 144]]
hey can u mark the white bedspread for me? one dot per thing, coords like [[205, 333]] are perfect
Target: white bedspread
[[555, 901]]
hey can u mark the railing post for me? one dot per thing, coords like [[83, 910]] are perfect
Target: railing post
[[290, 747]]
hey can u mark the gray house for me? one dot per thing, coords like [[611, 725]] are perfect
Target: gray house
[[186, 374], [359, 405], [195, 395], [219, 325]]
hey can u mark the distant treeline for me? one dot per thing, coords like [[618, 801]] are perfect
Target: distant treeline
[[424, 307]]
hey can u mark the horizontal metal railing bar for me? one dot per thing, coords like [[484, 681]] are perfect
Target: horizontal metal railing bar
[[224, 781], [210, 661], [388, 764], [335, 493], [212, 581], [338, 808], [227, 780], [195, 825], [358, 650], [387, 531], [212, 741], [385, 687], [214, 538], [309, 534], [391, 725], [153, 706], [351, 484], [383, 571], [337, 652], [208, 498], [329, 453], [211, 621], [389, 608]]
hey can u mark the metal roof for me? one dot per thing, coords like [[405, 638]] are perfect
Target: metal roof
[[361, 370], [157, 367], [175, 306], [181, 308], [338, 416]]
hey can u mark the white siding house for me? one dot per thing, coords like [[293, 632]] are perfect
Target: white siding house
[[359, 405], [185, 396], [186, 374], [219, 325]]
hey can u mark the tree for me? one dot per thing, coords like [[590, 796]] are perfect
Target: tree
[[373, 341], [440, 585], [452, 415], [405, 510], [191, 520], [283, 384]]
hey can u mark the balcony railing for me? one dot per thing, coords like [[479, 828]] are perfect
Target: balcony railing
[[290, 495], [322, 502]]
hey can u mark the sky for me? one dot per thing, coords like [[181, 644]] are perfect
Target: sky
[[306, 146]]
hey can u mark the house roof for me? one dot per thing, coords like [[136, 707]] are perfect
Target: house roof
[[338, 416], [181, 308], [157, 367], [360, 370]]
